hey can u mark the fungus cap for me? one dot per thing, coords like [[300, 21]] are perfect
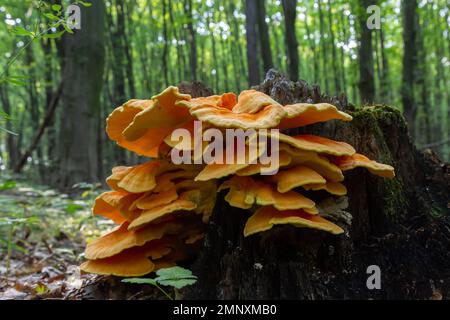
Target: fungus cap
[[114, 205], [335, 188], [157, 212], [162, 115], [148, 144], [121, 239], [302, 114], [121, 265], [317, 144], [294, 177], [244, 192], [266, 217], [210, 110], [359, 160], [318, 163]]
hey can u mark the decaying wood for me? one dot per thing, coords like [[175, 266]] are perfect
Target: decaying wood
[[400, 225]]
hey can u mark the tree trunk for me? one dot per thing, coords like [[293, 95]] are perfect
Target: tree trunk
[[337, 83], [366, 63], [252, 36], [191, 39], [11, 140], [166, 46], [82, 76], [409, 62], [264, 39], [385, 89], [290, 13], [323, 44]]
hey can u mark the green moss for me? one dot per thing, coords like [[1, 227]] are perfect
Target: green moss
[[395, 202], [375, 120]]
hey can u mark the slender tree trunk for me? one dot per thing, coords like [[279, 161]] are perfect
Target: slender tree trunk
[[191, 39], [215, 61], [236, 37], [337, 83], [264, 36], [440, 79], [312, 44], [342, 56], [252, 36], [82, 75], [125, 15], [366, 63], [48, 87], [409, 62], [11, 140], [421, 77], [166, 46], [323, 44], [290, 13], [385, 90], [224, 54]]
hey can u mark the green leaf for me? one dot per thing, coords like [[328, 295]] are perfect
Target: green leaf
[[140, 281], [8, 185], [178, 283], [56, 7], [51, 16], [13, 245], [86, 4], [22, 32], [67, 28], [55, 35], [73, 207], [177, 277], [16, 82]]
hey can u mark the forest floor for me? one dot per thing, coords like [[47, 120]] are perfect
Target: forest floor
[[42, 237]]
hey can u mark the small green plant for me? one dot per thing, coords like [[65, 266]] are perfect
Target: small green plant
[[176, 277]]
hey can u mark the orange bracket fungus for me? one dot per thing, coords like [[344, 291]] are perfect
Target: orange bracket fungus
[[162, 206]]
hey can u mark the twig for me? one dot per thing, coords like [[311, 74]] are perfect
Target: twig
[[47, 120], [435, 144]]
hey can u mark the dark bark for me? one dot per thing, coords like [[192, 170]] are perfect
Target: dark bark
[[394, 225], [337, 83], [166, 46], [290, 14], [124, 17], [366, 62], [385, 90], [343, 30], [82, 76], [409, 62], [323, 44], [252, 38], [191, 40], [264, 39], [312, 44]]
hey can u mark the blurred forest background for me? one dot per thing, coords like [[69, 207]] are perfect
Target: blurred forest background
[[58, 86]]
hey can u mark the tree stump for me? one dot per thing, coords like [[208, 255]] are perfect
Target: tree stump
[[401, 225]]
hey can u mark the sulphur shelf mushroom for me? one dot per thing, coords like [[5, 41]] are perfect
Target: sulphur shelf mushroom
[[161, 208]]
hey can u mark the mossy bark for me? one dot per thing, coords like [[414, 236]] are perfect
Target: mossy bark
[[401, 225]]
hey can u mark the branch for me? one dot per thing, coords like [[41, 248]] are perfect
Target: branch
[[435, 144], [40, 132]]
